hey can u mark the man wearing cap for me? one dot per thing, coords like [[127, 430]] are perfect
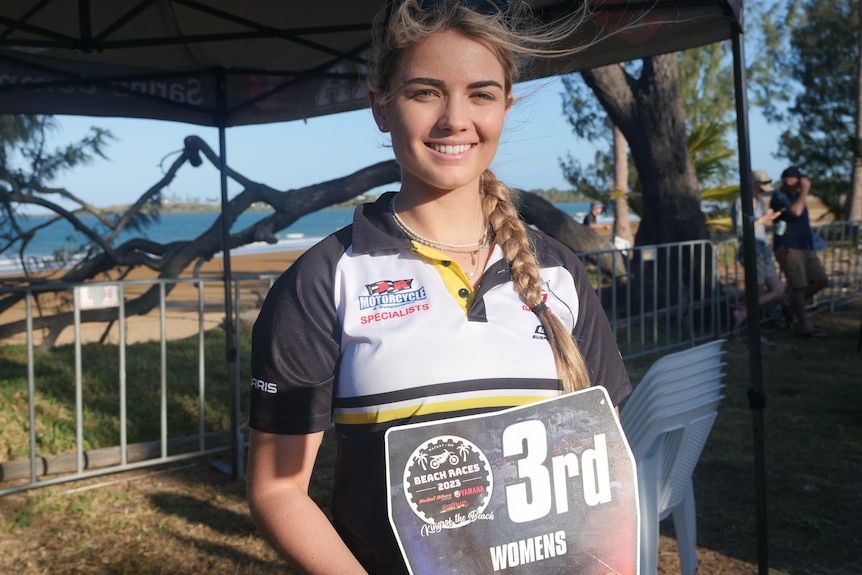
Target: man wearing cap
[[596, 208], [794, 247], [769, 283]]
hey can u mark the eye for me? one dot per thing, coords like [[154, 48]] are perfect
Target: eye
[[484, 96], [423, 94]]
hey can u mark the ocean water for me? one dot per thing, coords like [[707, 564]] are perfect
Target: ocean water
[[304, 233]]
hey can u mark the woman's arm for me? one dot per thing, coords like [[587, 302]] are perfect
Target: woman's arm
[[279, 473]]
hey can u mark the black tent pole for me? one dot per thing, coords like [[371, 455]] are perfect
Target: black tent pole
[[236, 454], [756, 395]]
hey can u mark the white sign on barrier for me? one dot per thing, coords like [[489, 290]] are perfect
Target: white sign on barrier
[[97, 297]]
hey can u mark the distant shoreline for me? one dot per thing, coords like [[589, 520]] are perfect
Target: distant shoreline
[[198, 208], [171, 207]]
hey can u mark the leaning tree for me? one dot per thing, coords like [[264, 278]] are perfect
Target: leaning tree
[[104, 257]]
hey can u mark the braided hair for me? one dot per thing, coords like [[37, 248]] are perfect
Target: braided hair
[[511, 236]]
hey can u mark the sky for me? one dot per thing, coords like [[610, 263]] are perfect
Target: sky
[[291, 155]]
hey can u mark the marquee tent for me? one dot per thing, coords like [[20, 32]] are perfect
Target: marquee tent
[[229, 63], [226, 63]]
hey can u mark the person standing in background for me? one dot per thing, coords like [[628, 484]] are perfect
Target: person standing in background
[[794, 247], [770, 288]]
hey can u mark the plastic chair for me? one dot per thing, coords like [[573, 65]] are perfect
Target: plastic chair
[[671, 390], [667, 422], [666, 454], [679, 378], [692, 354], [688, 361], [635, 426]]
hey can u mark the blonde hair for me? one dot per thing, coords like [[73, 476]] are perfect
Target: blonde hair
[[514, 37]]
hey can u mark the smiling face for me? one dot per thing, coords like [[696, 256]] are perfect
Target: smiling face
[[445, 113]]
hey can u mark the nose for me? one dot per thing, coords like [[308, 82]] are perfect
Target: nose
[[454, 115]]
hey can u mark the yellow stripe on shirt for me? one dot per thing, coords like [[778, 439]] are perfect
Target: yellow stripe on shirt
[[386, 415]]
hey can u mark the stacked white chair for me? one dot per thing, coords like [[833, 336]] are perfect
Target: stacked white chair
[[667, 420]]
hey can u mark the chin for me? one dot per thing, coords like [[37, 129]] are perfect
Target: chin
[[453, 183]]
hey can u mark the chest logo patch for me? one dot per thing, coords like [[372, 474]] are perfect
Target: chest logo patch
[[384, 294]]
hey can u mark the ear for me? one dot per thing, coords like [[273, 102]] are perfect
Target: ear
[[510, 100], [378, 111]]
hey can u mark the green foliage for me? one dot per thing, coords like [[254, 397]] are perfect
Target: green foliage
[[823, 58], [769, 27], [25, 163], [710, 155], [583, 112], [707, 86], [706, 83], [28, 170]]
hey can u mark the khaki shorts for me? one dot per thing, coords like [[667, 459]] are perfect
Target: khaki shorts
[[801, 267]]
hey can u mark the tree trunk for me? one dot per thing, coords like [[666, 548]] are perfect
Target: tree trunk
[[622, 226], [651, 115]]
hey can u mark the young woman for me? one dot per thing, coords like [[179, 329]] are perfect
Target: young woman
[[436, 302]]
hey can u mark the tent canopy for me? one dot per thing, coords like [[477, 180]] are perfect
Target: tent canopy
[[228, 63]]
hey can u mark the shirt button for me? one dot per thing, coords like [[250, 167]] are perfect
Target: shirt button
[[446, 263], [464, 293]]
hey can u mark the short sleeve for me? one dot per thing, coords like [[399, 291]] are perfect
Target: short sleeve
[[295, 347]]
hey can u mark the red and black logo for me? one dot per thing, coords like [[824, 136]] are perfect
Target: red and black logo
[[388, 286]]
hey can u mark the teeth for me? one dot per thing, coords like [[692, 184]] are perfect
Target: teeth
[[449, 149]]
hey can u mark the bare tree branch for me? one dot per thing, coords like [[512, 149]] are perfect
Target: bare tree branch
[[105, 261]]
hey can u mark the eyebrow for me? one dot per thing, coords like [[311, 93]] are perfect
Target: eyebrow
[[440, 83]]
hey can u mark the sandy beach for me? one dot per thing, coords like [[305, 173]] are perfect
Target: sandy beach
[[182, 316]]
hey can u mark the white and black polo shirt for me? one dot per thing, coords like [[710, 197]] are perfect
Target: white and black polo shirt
[[369, 331]]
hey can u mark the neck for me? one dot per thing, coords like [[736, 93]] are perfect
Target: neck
[[453, 218]]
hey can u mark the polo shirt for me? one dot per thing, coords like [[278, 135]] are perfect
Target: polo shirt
[[364, 331]]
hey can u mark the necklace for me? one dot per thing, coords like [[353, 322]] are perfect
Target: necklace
[[472, 248]]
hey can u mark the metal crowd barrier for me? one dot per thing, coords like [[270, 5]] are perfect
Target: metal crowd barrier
[[704, 283]]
